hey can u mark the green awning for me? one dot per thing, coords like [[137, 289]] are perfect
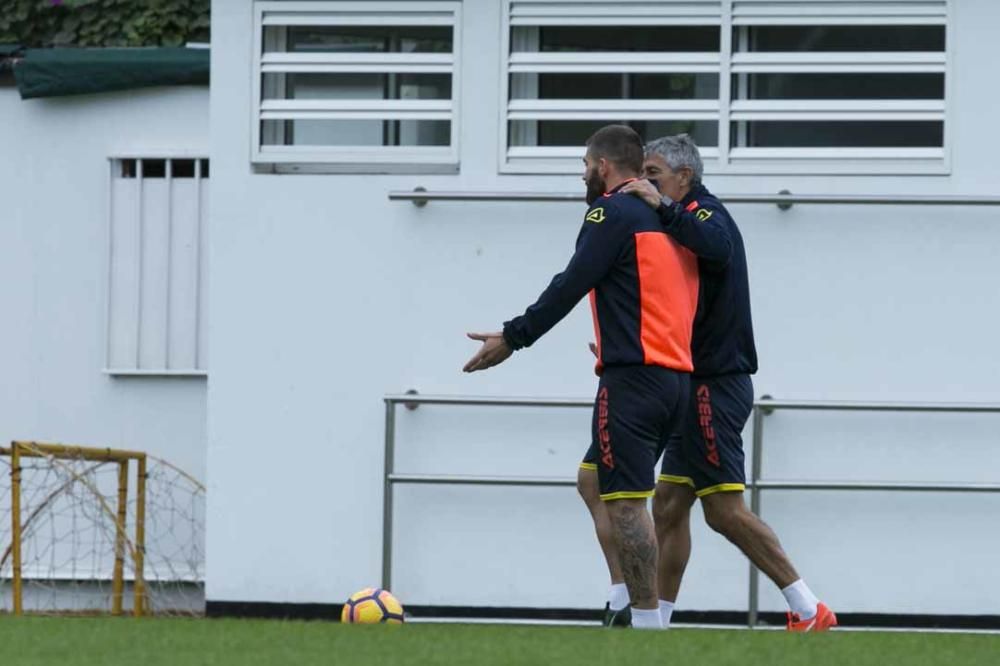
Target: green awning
[[80, 71]]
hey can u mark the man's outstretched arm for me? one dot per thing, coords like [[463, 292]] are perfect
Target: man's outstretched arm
[[597, 250]]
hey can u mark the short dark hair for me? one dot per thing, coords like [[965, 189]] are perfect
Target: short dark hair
[[618, 144]]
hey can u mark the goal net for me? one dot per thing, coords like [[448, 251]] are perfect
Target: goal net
[[98, 531]]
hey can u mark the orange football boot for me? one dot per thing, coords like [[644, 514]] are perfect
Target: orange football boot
[[822, 621]]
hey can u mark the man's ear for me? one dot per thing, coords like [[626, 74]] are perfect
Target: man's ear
[[686, 176], [603, 168]]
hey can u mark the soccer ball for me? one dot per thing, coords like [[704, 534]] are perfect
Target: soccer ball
[[372, 606]]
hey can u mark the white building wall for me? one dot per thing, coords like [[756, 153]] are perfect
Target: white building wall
[[326, 296], [54, 186]]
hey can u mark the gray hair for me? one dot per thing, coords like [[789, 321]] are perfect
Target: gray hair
[[678, 152]]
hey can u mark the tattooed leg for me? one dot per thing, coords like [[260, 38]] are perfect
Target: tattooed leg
[[636, 540]]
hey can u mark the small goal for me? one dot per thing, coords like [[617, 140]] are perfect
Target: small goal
[[98, 531]]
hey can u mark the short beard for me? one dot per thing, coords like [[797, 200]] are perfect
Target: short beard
[[596, 187]]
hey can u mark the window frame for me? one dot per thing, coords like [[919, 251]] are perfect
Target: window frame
[[729, 159], [355, 159], [199, 178], [562, 160]]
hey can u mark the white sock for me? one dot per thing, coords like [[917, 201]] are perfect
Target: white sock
[[666, 611], [618, 596], [801, 600], [646, 618]]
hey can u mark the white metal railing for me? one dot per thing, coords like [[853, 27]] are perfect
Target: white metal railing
[[755, 484], [419, 196]]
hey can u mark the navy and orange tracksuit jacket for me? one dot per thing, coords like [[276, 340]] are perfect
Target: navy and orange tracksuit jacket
[[643, 288], [722, 342]]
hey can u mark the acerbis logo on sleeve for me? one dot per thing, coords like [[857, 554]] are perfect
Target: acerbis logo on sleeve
[[701, 213], [596, 216]]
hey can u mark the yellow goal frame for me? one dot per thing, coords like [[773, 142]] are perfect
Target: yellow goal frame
[[135, 548]]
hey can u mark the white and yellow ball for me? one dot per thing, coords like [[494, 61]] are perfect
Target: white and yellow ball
[[372, 606]]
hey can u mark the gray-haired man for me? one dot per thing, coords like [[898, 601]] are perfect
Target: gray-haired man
[[704, 458]]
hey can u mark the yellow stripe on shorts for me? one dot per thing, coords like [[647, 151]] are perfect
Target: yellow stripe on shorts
[[628, 494], [682, 480], [721, 488], [592, 467]]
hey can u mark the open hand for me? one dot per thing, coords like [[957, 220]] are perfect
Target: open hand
[[645, 190], [493, 352]]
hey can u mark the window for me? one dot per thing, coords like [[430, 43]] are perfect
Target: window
[[349, 85], [839, 81], [573, 67], [825, 86], [156, 266]]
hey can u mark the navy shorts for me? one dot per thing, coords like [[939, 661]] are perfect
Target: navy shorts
[[706, 452], [637, 408]]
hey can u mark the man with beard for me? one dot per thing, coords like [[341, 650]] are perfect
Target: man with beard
[[704, 458], [643, 295]]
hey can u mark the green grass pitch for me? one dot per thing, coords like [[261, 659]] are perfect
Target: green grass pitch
[[37, 641]]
